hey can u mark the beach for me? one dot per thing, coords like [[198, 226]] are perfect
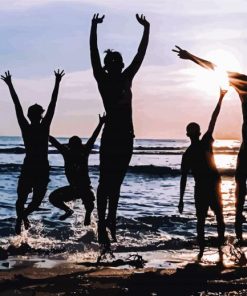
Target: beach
[[59, 257], [36, 276]]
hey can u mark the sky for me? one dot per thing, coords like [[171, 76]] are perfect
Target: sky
[[38, 36]]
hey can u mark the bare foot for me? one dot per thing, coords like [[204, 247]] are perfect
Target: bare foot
[[199, 256], [66, 215], [27, 224]]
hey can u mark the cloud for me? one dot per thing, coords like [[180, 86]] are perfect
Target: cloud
[[176, 7], [165, 99], [45, 34]]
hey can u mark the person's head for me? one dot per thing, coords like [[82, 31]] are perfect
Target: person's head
[[34, 113], [113, 62], [193, 130], [75, 143]]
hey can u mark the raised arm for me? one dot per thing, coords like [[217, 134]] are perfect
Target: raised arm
[[183, 182], [51, 108], [184, 54], [18, 108], [60, 147], [237, 80], [216, 112], [95, 134], [137, 61], [94, 51]]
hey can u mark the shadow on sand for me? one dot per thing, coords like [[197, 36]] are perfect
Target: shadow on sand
[[190, 280]]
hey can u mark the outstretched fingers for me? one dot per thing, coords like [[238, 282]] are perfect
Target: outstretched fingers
[[178, 49], [7, 77], [59, 74], [142, 19], [7, 74], [96, 19]]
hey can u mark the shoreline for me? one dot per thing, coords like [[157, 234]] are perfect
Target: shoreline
[[75, 279], [44, 275]]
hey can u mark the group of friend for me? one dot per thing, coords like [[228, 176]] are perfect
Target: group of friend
[[116, 148]]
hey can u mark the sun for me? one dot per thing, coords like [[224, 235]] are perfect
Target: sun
[[209, 81], [224, 59]]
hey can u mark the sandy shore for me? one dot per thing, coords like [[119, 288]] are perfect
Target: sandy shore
[[33, 275]]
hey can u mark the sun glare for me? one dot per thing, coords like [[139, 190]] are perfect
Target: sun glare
[[225, 60], [221, 78], [211, 81]]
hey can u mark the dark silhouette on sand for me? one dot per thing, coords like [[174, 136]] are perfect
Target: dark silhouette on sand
[[114, 85], [199, 160], [75, 156], [35, 169], [239, 82]]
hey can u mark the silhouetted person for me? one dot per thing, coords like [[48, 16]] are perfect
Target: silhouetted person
[[114, 85], [241, 174], [199, 160], [75, 156], [239, 82], [35, 169]]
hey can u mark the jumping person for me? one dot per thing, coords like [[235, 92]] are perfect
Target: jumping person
[[239, 82], [75, 156], [199, 159], [35, 169], [116, 149]]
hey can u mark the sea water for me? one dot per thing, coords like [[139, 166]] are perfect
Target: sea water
[[148, 218]]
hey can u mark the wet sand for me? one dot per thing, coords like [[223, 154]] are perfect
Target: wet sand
[[39, 275]]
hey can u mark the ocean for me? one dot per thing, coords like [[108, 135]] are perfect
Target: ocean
[[148, 218]]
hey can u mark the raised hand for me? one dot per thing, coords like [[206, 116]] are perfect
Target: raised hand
[[6, 78], [59, 75], [142, 20], [222, 92], [102, 118], [183, 54], [96, 19]]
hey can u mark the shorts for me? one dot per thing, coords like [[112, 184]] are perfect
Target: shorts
[[208, 194], [115, 156], [33, 178], [69, 193]]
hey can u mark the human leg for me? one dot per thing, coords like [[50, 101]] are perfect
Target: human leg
[[88, 201], [217, 206], [23, 191], [58, 198], [101, 209], [202, 204], [121, 160], [112, 213], [37, 198], [240, 193], [102, 191], [200, 234]]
